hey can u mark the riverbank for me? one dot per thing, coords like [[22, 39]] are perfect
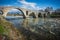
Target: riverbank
[[8, 31]]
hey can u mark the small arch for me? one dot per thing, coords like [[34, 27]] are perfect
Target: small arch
[[44, 15], [26, 12], [39, 15], [32, 15]]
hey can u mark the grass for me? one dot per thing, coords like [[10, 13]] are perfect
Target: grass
[[1, 29]]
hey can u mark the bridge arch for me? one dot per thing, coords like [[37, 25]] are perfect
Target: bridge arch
[[1, 12], [32, 15], [8, 9], [39, 14], [21, 11]]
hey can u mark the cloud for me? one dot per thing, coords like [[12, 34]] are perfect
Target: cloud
[[14, 10], [29, 5]]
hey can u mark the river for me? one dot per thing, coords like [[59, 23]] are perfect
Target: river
[[38, 28]]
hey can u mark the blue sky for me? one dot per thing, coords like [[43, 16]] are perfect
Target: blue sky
[[13, 11], [31, 4]]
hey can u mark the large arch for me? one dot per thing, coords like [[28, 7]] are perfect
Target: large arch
[[21, 11], [6, 10], [1, 12]]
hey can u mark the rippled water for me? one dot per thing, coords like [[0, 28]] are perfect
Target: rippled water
[[38, 28]]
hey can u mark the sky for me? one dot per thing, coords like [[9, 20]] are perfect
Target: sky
[[31, 4], [13, 11]]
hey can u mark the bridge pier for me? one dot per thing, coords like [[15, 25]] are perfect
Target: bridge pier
[[27, 16], [36, 16]]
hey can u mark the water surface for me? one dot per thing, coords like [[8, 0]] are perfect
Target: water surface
[[38, 28]]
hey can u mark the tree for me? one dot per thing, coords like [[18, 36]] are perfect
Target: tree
[[57, 10]]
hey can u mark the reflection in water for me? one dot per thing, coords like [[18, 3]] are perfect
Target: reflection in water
[[38, 28]]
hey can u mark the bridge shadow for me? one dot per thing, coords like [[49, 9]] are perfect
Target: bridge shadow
[[32, 15], [39, 34]]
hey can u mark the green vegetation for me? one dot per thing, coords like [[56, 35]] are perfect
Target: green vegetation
[[1, 29], [54, 16], [8, 30]]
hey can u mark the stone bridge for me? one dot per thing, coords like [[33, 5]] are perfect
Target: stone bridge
[[26, 12]]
